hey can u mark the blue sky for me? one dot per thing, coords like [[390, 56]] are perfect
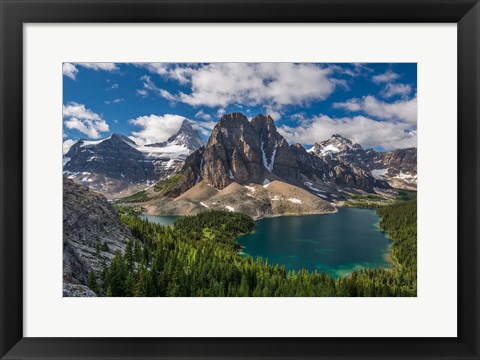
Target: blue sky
[[372, 104]]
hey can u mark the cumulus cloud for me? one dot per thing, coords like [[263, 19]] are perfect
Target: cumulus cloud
[[392, 89], [70, 70], [402, 110], [388, 76], [67, 144], [155, 128], [265, 84], [76, 116], [360, 129]]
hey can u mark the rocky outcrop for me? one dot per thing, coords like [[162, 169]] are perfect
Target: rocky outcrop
[[232, 152], [92, 232], [75, 290], [245, 151]]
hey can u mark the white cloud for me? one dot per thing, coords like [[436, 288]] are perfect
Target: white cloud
[[67, 144], [104, 66], [402, 110], [113, 87], [114, 101], [392, 90], [142, 92], [70, 70], [250, 84], [221, 112], [155, 68], [178, 72], [275, 114], [156, 128], [149, 85], [204, 127], [389, 75], [203, 115], [77, 116], [360, 129], [350, 105]]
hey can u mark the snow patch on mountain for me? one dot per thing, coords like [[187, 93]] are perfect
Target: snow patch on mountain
[[268, 163], [295, 200], [379, 173], [329, 149]]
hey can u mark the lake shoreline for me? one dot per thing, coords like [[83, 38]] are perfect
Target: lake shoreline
[[152, 213], [341, 269]]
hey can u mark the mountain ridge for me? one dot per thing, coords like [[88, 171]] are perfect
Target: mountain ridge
[[248, 153], [117, 165]]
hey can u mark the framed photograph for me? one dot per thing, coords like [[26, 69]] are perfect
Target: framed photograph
[[239, 180]]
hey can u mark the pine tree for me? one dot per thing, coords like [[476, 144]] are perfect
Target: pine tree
[[92, 283]]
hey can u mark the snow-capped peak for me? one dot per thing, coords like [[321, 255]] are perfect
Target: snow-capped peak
[[332, 146], [187, 136]]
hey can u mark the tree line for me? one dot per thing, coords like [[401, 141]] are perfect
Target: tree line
[[199, 256]]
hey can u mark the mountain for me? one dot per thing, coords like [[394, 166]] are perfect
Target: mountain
[[243, 152], [119, 166], [248, 166], [397, 167], [92, 233], [246, 151]]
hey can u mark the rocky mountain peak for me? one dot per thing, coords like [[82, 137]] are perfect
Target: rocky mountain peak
[[186, 136], [261, 122], [233, 119], [336, 144], [116, 137], [245, 151], [339, 140]]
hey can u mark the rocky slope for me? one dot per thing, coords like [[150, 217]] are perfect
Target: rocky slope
[[272, 199], [398, 167], [92, 233], [117, 166]]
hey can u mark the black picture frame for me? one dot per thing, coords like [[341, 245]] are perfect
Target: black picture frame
[[14, 13]]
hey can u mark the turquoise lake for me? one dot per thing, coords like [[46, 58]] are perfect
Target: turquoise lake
[[336, 244]]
